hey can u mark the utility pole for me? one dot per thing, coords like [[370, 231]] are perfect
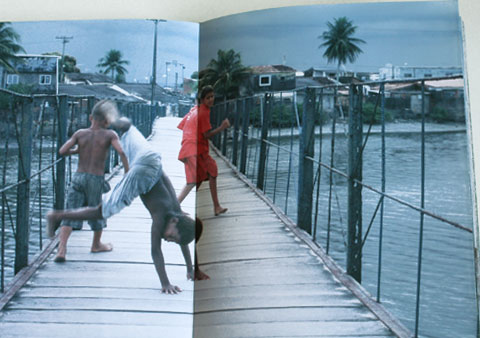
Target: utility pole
[[65, 40], [174, 62], [154, 68], [183, 73], [166, 73]]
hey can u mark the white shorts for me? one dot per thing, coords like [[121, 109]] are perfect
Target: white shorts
[[140, 179]]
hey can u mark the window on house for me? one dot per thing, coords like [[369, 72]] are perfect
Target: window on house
[[428, 75], [12, 79], [408, 75], [264, 80], [45, 79]]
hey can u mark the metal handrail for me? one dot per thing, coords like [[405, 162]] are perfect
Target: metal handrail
[[72, 115], [252, 134]]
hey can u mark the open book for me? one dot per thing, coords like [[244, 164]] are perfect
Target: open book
[[345, 165]]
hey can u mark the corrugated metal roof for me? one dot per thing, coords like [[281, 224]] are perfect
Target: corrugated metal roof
[[308, 81], [271, 69], [447, 84], [35, 64], [99, 91], [139, 91], [90, 77]]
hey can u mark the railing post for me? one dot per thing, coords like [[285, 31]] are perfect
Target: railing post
[[422, 216], [22, 233], [263, 146], [380, 235], [61, 139], [225, 131], [214, 118], [90, 104], [245, 122], [134, 114], [305, 166], [236, 128], [354, 170]]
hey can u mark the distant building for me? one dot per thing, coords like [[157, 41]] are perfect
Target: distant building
[[40, 72], [272, 78], [331, 73], [445, 97], [391, 72]]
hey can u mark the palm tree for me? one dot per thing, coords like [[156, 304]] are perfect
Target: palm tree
[[8, 45], [225, 74], [340, 43], [112, 62]]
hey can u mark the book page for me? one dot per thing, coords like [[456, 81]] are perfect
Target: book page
[[273, 56]]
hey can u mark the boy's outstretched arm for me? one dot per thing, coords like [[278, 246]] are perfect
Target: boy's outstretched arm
[[212, 132], [188, 261], [66, 148], [118, 148], [159, 262]]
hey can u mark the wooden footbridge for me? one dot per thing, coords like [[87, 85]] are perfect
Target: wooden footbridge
[[268, 279]]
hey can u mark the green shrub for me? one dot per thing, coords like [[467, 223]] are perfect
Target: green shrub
[[375, 117], [440, 114]]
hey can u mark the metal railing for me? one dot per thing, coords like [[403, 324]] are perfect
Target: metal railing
[[34, 177], [266, 129]]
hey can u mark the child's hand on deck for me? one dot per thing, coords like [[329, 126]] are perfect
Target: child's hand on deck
[[171, 289]]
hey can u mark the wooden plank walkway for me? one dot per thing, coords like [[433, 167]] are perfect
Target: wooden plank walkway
[[113, 294], [267, 278]]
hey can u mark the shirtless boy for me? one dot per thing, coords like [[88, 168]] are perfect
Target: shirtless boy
[[147, 179], [199, 165], [88, 184]]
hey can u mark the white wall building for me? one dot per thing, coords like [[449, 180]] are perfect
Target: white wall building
[[390, 72]]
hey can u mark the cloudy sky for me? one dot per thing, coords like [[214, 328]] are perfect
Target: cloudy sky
[[134, 38], [418, 34]]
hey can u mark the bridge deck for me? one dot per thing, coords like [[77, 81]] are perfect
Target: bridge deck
[[113, 294], [266, 281]]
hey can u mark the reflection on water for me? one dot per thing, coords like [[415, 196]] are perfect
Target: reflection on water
[[448, 285]]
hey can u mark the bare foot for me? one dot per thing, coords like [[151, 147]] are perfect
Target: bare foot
[[219, 210], [59, 259], [200, 275], [53, 222], [102, 247]]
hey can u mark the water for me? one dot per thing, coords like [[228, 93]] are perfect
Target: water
[[447, 307], [38, 209]]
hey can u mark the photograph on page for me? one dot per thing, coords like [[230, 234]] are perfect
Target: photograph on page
[[347, 129], [89, 123]]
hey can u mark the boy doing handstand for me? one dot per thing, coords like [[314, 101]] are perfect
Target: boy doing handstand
[[88, 184], [147, 179]]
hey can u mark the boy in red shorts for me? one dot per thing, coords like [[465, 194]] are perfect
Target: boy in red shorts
[[199, 165]]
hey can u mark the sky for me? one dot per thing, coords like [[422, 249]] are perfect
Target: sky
[[134, 38], [414, 33]]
